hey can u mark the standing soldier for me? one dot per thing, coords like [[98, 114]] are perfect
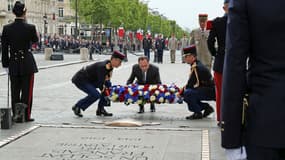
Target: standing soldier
[[172, 44], [159, 46], [184, 43], [218, 33], [18, 60], [93, 77], [199, 87], [147, 45], [199, 38]]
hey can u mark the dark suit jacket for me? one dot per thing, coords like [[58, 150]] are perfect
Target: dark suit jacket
[[152, 76], [18, 37], [255, 31], [95, 73], [218, 33]]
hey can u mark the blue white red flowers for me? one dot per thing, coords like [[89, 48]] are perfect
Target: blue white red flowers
[[142, 94]]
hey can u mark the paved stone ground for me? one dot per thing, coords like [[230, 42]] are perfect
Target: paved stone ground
[[54, 95]]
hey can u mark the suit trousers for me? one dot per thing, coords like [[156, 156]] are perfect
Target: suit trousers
[[262, 153], [172, 56], [218, 82], [22, 92], [92, 95], [193, 99], [147, 53]]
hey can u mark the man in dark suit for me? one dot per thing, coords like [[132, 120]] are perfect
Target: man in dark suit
[[93, 77], [144, 73], [199, 87], [218, 34], [17, 59], [254, 64]]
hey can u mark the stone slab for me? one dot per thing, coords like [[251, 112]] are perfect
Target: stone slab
[[54, 143]]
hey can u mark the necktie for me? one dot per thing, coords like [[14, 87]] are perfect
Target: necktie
[[144, 76]]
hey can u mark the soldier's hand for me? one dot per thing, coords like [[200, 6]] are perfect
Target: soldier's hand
[[236, 153], [6, 70]]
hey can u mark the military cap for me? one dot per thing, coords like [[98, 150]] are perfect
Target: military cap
[[117, 54], [19, 8], [226, 1], [190, 50], [203, 17]]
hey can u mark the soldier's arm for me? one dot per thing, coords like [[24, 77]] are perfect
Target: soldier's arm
[[35, 37], [132, 76], [212, 40], [192, 39], [5, 48]]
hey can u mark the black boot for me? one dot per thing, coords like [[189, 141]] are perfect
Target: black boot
[[102, 112], [141, 109], [152, 107], [77, 111], [207, 110], [197, 115]]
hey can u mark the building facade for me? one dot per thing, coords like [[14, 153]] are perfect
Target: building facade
[[49, 16]]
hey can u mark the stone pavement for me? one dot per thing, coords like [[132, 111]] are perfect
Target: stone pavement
[[58, 135]]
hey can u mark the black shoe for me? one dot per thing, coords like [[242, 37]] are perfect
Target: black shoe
[[152, 107], [208, 110], [195, 116], [77, 111], [103, 112], [141, 109], [30, 120]]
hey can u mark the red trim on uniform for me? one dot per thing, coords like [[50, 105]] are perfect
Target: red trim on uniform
[[218, 82], [31, 86]]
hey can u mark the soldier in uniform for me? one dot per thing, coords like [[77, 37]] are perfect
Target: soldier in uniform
[[184, 43], [254, 64], [199, 38], [147, 45], [200, 86], [17, 59], [218, 34], [93, 77], [145, 73]]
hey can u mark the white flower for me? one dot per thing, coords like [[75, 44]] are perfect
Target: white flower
[[156, 92], [167, 94], [145, 93], [161, 99], [140, 93], [139, 101], [172, 89], [130, 100], [166, 101], [152, 98], [131, 92], [140, 87]]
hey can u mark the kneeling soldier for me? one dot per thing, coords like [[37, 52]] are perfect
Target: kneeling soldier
[[93, 77], [200, 86]]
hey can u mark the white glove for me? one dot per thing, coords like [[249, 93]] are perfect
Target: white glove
[[6, 70], [236, 154]]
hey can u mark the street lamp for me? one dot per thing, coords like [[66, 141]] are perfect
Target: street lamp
[[45, 26]]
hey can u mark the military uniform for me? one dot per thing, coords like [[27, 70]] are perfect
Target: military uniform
[[254, 64], [91, 77], [200, 86], [218, 33], [16, 42], [199, 38]]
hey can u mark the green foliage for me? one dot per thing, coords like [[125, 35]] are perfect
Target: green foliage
[[131, 14]]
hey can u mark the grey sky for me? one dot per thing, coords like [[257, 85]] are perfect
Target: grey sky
[[185, 12]]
